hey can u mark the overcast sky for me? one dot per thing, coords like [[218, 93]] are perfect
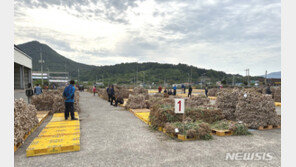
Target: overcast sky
[[224, 35]]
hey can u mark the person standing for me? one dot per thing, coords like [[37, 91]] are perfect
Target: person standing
[[109, 93], [118, 99], [183, 87], [268, 91], [206, 90], [189, 91], [159, 89], [37, 90], [175, 90], [170, 92], [68, 94], [29, 92], [94, 90], [112, 95], [165, 91]]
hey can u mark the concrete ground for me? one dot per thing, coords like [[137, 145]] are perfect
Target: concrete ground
[[19, 93], [114, 137]]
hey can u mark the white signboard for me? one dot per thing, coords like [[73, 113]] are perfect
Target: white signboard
[[63, 81], [179, 106], [34, 73], [34, 77]]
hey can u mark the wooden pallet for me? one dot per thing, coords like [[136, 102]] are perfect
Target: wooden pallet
[[222, 132], [58, 136], [160, 129], [278, 104], [53, 145], [16, 147], [185, 138], [124, 103], [212, 97], [172, 135], [139, 110], [143, 116], [42, 115], [268, 127]]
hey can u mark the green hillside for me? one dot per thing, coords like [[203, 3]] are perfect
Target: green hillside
[[124, 73]]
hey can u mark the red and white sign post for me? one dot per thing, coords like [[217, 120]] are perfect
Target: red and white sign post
[[179, 106]]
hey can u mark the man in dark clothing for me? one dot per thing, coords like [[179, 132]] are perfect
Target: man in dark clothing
[[68, 94], [112, 95], [109, 93], [189, 91], [165, 91], [206, 90], [29, 92], [268, 91], [119, 100]]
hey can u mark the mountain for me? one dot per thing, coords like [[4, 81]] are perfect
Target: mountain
[[124, 73], [276, 75], [53, 60]]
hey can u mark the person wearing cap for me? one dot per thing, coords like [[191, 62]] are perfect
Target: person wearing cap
[[68, 94]]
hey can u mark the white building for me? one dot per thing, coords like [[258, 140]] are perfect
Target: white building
[[22, 69]]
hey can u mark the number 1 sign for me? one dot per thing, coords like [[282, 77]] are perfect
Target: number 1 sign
[[179, 106]]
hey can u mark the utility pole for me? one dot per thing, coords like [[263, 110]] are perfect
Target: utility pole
[[65, 68], [48, 75], [188, 77], [144, 78], [41, 61], [248, 75], [265, 81], [137, 73], [191, 75], [78, 76], [232, 80]]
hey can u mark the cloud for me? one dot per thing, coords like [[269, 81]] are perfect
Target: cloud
[[225, 35]]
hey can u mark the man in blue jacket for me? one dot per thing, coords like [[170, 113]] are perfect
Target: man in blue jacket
[[38, 90], [175, 90], [68, 95]]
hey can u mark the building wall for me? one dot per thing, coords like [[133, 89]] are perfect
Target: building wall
[[22, 76], [22, 69], [17, 76], [22, 59], [27, 78]]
